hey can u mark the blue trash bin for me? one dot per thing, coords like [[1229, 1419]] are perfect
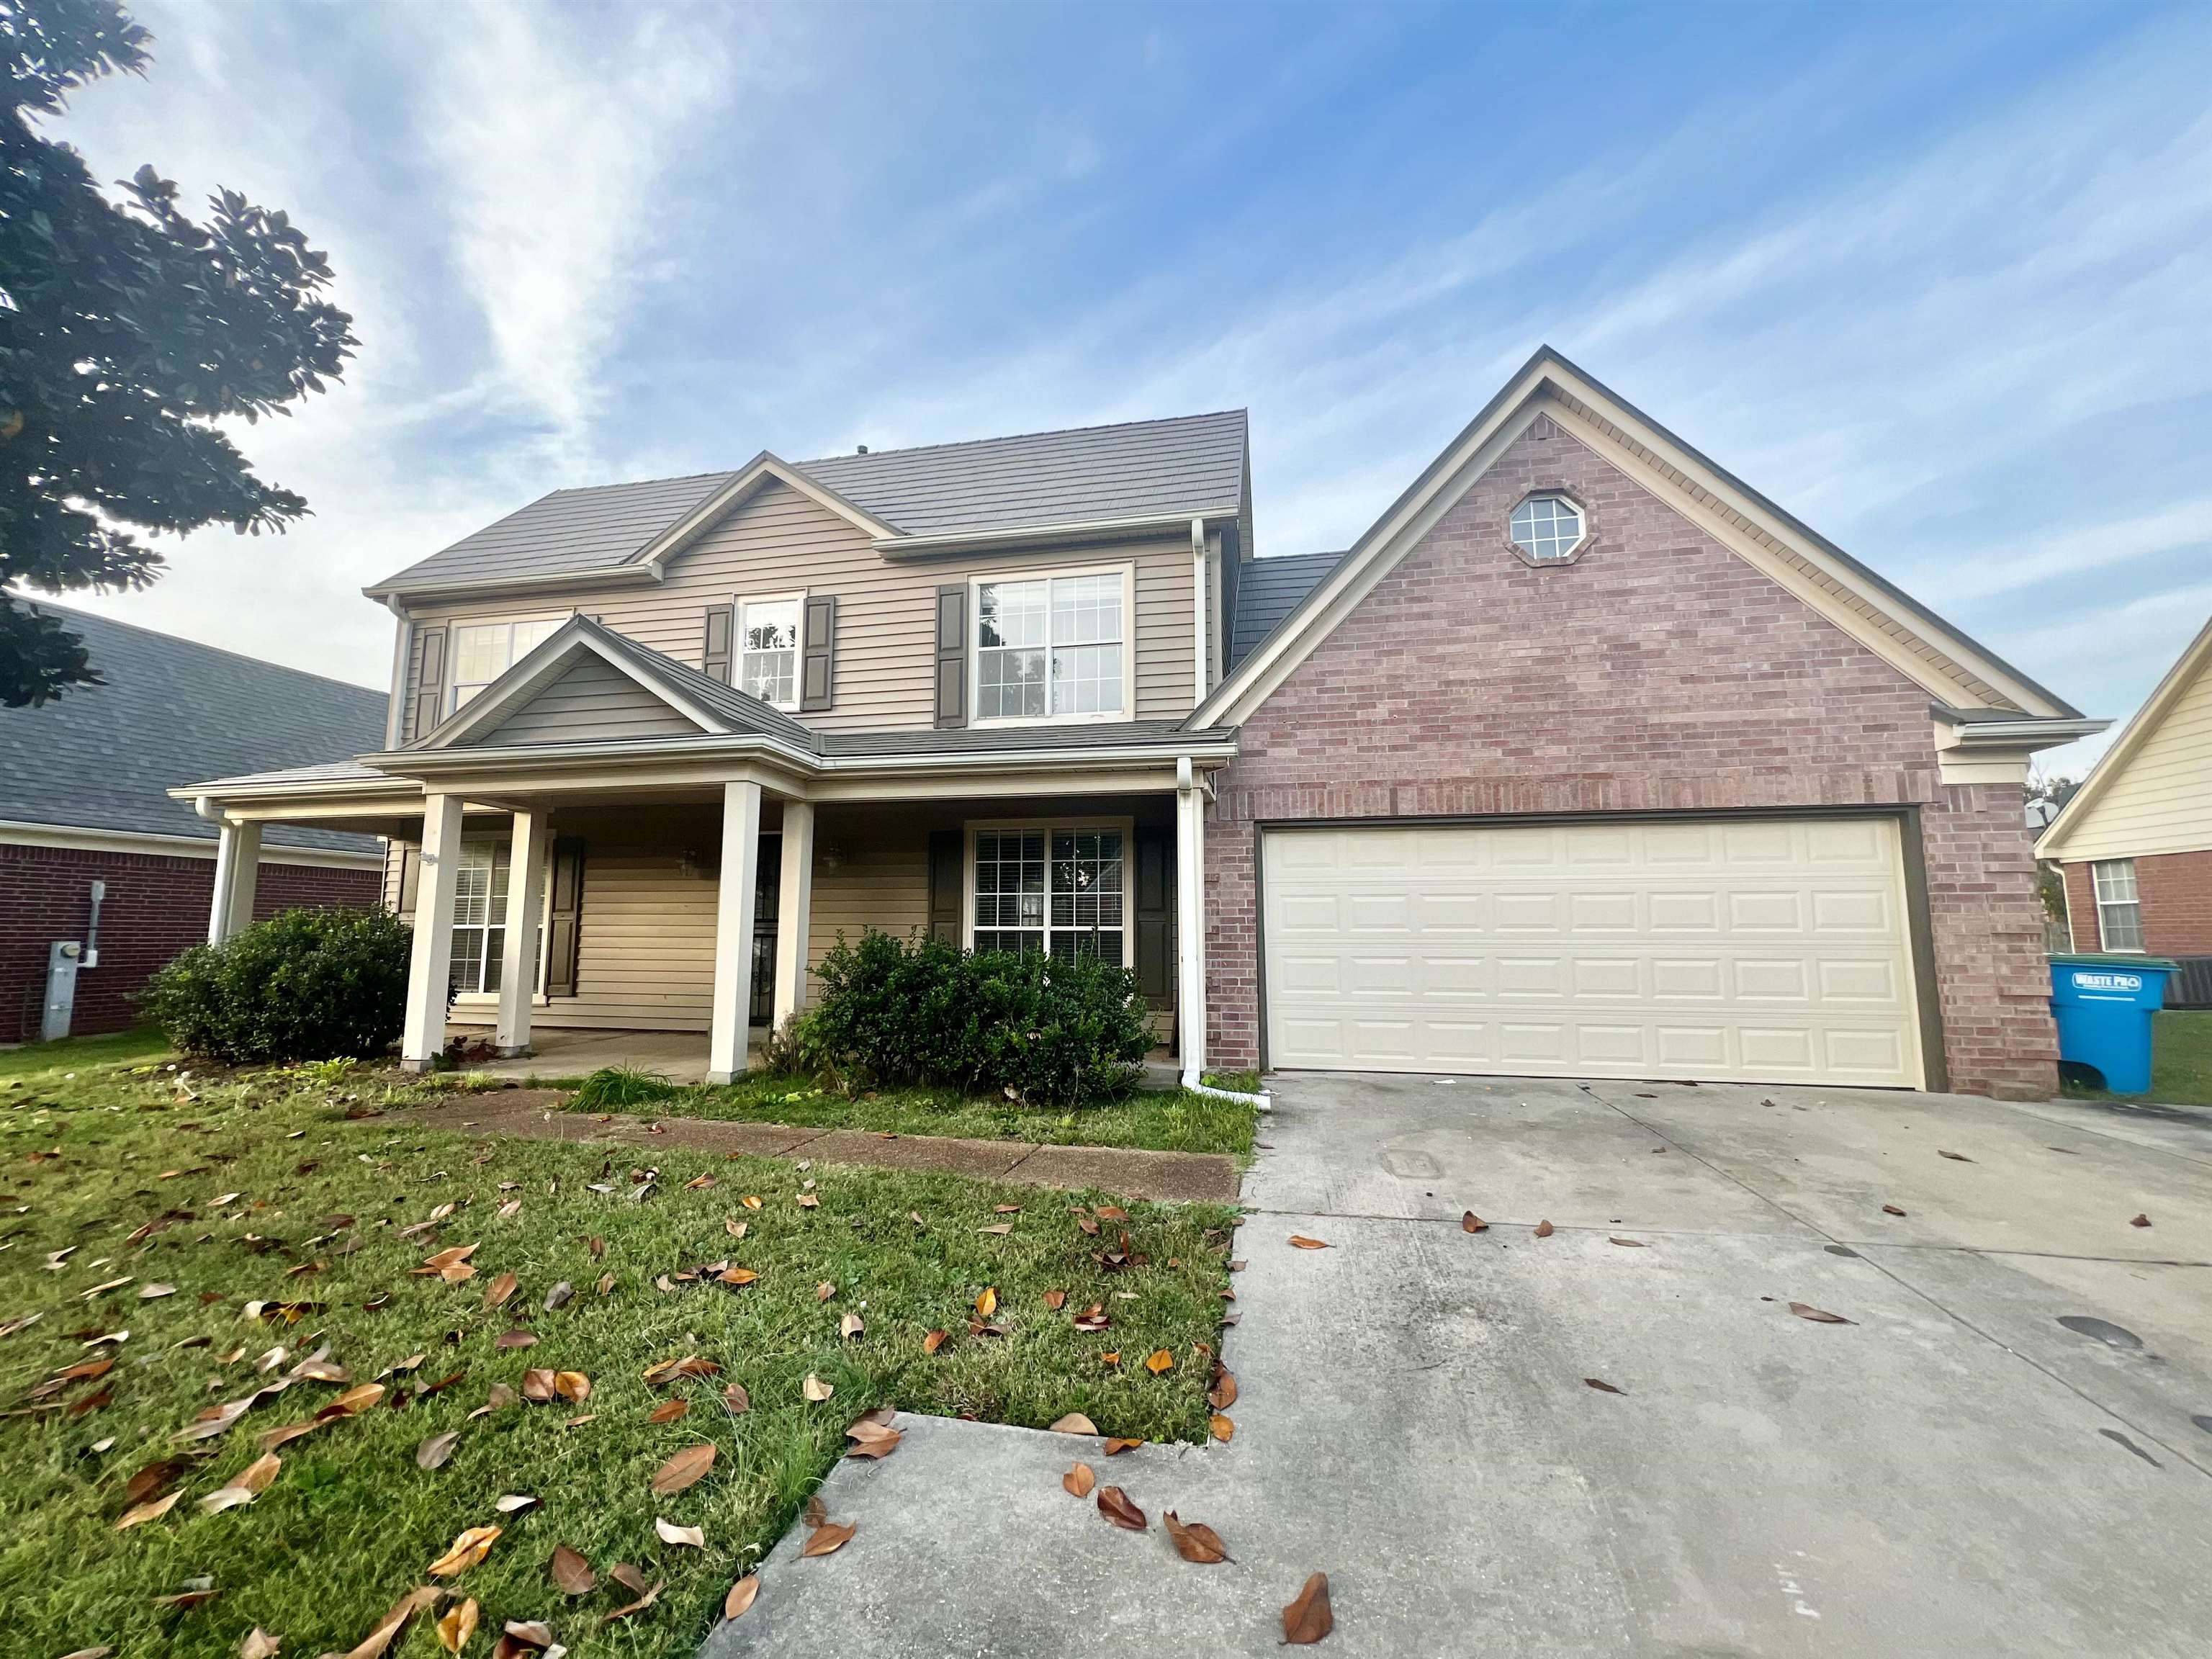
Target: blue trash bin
[[2103, 1005]]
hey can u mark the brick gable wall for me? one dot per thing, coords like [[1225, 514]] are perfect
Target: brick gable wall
[[1658, 671], [2175, 892], [156, 906]]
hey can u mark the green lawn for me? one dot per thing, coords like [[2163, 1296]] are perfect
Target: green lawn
[[1166, 1120], [32, 1058], [262, 1189], [2180, 1062]]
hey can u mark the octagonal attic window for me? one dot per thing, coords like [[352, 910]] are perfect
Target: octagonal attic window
[[1548, 528]]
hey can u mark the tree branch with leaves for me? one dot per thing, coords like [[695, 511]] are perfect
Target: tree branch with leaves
[[130, 334]]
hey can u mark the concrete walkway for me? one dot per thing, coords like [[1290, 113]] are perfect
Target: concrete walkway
[[1956, 1471], [1127, 1172]]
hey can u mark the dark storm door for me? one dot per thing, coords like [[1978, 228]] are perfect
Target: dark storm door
[[768, 891]]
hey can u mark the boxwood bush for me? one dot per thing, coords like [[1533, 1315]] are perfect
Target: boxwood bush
[[1052, 1032], [303, 985]]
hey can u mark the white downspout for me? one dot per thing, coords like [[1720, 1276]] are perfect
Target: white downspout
[[1198, 606], [1190, 937]]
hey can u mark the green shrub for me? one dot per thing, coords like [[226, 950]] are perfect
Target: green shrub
[[612, 1088], [304, 985], [1041, 1030]]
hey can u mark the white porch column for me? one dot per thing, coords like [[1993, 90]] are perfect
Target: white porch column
[[1190, 923], [237, 873], [525, 904], [733, 931], [431, 965], [794, 903]]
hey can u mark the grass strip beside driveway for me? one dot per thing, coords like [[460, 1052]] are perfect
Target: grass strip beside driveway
[[350, 1522], [1159, 1120]]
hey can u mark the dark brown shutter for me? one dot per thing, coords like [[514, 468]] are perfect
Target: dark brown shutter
[[715, 657], [429, 683], [1155, 909], [564, 916], [945, 862], [818, 652], [952, 655]]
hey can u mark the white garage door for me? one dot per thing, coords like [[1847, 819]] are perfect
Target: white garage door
[[1750, 950]]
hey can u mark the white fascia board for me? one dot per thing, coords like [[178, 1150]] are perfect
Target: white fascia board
[[429, 592], [91, 840], [968, 540], [514, 689], [655, 554]]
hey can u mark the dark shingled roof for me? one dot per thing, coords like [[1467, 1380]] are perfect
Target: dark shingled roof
[[171, 712], [1140, 468], [1269, 590]]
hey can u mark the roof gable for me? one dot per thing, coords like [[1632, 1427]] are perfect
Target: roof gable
[[585, 683], [2152, 791], [1140, 471], [1950, 666]]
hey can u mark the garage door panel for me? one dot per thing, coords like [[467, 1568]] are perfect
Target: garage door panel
[[1469, 949]]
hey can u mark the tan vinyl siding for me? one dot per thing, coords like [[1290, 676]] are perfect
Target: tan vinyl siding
[[2161, 801], [882, 881], [779, 543], [593, 702]]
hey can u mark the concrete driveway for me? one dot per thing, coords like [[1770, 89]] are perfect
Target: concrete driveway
[[1955, 1471]]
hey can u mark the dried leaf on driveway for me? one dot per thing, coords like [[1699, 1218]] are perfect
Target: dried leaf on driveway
[[432, 1453], [1307, 1618], [1542, 1230], [1114, 1504], [1114, 1448], [1600, 1385], [457, 1625], [1626, 1244], [741, 1595], [1891, 1209], [571, 1573], [828, 1538], [672, 1533], [1073, 1423], [1818, 1316], [686, 1468], [1194, 1542], [1472, 1223], [1956, 1158], [1221, 1428], [872, 1436], [1079, 1480], [2140, 1221], [1301, 1242]]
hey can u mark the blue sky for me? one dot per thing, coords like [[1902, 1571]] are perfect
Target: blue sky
[[1937, 279]]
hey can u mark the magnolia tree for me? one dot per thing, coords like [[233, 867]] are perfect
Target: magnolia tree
[[129, 331]]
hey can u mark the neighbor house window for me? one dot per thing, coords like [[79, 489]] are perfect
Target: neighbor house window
[[1052, 892], [484, 651], [1047, 646], [767, 650], [479, 917], [2119, 913], [1547, 527]]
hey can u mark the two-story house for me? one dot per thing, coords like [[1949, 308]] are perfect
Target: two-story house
[[1585, 759]]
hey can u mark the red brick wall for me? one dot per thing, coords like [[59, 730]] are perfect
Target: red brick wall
[[2175, 892], [155, 907], [1659, 671]]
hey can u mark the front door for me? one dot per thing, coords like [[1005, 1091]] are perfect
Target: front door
[[768, 890]]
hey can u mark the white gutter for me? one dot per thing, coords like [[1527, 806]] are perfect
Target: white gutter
[[953, 541]]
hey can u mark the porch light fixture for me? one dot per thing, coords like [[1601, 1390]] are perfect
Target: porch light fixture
[[829, 855]]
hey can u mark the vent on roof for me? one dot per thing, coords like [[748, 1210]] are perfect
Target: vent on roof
[[862, 450]]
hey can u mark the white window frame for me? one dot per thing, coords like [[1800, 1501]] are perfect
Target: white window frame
[[490, 999], [1124, 827], [797, 599], [1568, 554], [454, 628], [2118, 869], [976, 584]]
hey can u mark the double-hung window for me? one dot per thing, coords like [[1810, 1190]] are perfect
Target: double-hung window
[[1051, 648], [479, 917], [767, 650], [484, 651], [1052, 892], [2119, 912]]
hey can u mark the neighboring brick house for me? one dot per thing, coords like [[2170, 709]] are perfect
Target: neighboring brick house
[[83, 799], [1585, 760], [2136, 839]]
